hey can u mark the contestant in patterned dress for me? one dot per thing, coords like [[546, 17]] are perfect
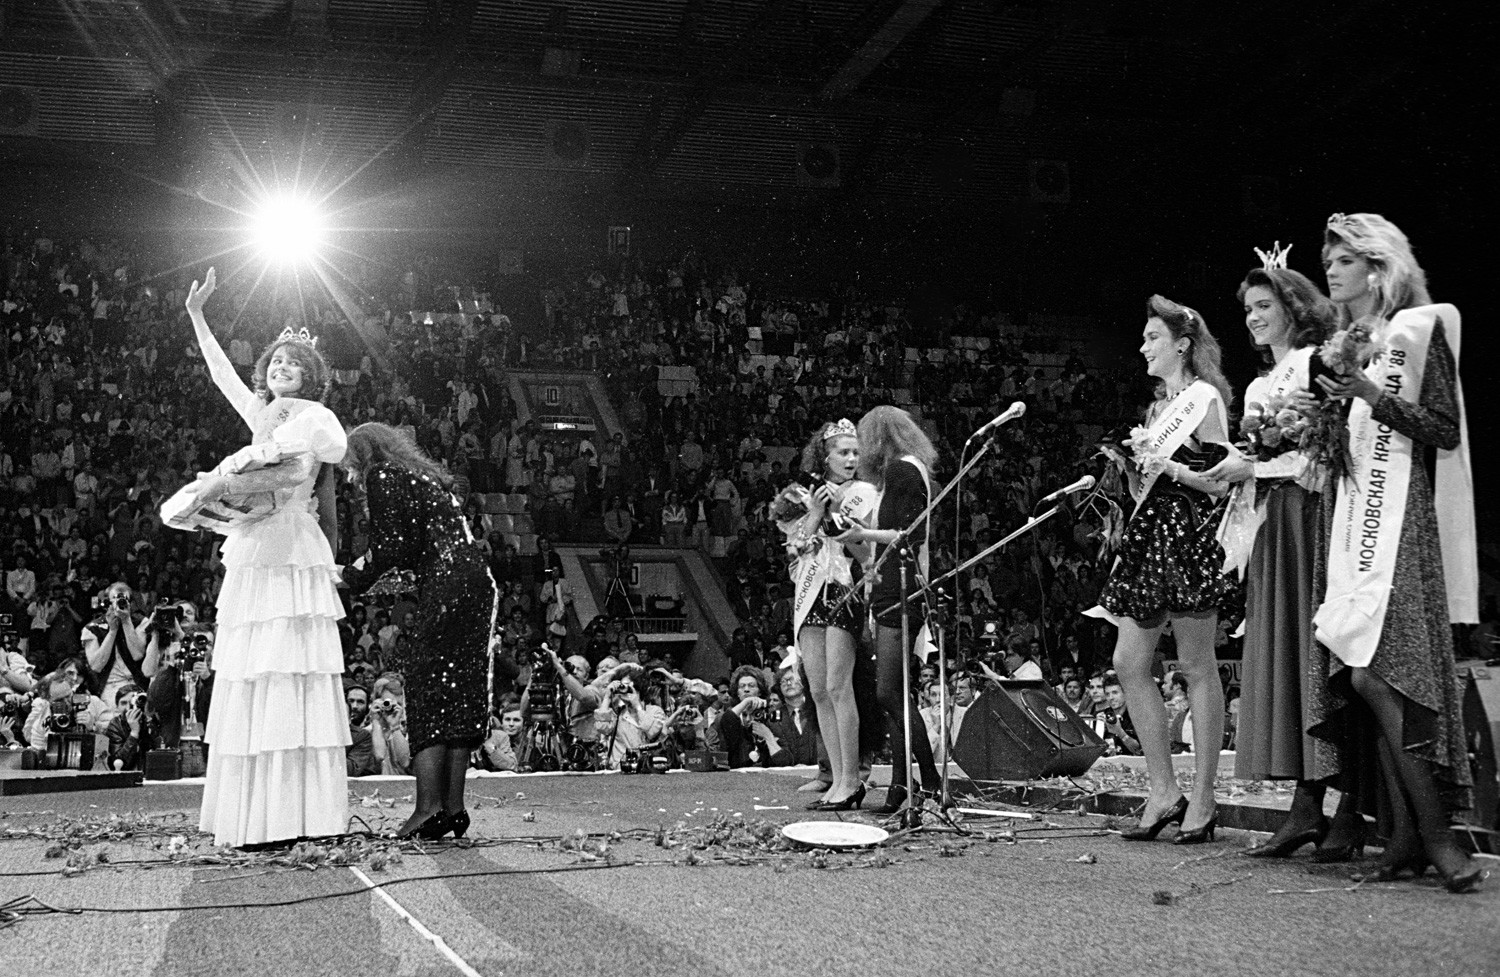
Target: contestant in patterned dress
[[1170, 566], [823, 572], [1288, 319], [1399, 572], [279, 725], [417, 527]]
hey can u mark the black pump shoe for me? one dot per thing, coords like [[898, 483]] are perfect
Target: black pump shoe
[[1148, 832], [1198, 836], [895, 799], [850, 803], [1275, 848]]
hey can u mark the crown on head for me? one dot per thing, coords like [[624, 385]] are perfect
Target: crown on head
[[843, 427], [1275, 258], [298, 336], [1338, 220]]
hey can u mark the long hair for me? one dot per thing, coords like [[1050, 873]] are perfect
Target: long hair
[[1400, 283], [753, 672], [885, 434], [1312, 313], [373, 443], [316, 376], [1204, 355]]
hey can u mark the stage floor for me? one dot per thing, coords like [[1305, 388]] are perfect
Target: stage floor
[[546, 890]]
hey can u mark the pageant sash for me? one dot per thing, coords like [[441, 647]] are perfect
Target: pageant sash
[[1243, 517], [1182, 416], [829, 560], [1371, 506]]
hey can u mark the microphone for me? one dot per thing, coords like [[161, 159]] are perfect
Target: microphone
[[1082, 485], [1011, 413]]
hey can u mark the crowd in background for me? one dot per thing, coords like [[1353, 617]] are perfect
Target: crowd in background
[[106, 409]]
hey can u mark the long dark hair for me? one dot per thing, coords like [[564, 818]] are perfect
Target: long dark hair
[[1204, 355], [1312, 313], [373, 443]]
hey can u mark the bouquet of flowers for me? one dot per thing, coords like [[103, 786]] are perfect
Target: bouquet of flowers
[[1351, 349], [1276, 427]]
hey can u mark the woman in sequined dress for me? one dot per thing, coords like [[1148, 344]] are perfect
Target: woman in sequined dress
[[1170, 568], [1287, 318], [823, 572], [1409, 680], [279, 725], [417, 527]]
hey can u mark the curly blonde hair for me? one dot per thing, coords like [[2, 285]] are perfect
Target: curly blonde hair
[[1400, 283]]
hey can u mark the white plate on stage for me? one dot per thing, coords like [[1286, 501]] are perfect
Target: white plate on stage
[[835, 834]]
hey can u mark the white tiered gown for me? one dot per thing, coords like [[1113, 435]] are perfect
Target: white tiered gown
[[278, 726]]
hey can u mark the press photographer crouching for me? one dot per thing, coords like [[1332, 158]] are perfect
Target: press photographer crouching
[[586, 700], [64, 721], [127, 732], [745, 728], [626, 725]]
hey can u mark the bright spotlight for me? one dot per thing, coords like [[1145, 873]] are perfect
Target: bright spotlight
[[288, 228]]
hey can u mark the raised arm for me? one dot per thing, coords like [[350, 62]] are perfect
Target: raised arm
[[240, 397]]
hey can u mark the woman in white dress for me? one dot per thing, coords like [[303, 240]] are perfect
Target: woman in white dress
[[279, 726]]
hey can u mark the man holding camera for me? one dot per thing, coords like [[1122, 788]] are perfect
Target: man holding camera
[[585, 699], [61, 709], [628, 723], [114, 646], [359, 756], [126, 732], [178, 658]]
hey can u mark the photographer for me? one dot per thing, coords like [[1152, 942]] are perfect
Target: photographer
[[128, 740], [359, 757], [88, 712], [15, 670], [627, 722], [180, 653], [388, 730], [585, 699], [742, 728], [556, 597], [113, 645]]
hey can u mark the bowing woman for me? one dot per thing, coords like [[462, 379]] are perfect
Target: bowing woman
[[823, 572], [1402, 558], [1170, 565], [417, 526], [1288, 318], [897, 458]]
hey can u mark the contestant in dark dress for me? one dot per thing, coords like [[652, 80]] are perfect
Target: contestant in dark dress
[[1170, 566], [417, 527], [1288, 319], [1404, 668], [897, 457]]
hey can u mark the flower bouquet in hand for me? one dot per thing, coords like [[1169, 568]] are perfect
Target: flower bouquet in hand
[[1276, 427], [1351, 349]]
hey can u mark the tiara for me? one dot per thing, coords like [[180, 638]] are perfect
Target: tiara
[[1275, 259], [842, 428], [1338, 220], [299, 336]]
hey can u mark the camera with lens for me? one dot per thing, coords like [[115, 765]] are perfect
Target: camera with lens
[[619, 689], [541, 698], [165, 615], [111, 602], [195, 647], [385, 707], [63, 712], [14, 704]]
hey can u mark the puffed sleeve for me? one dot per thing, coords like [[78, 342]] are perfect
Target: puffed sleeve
[[318, 428]]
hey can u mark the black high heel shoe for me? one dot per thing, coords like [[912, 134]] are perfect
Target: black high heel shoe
[[430, 828], [458, 823], [1198, 836], [850, 803], [1346, 852], [1284, 847], [1148, 832]]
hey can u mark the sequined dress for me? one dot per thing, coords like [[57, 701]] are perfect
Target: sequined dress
[[279, 726], [1415, 654], [417, 525], [1170, 561]]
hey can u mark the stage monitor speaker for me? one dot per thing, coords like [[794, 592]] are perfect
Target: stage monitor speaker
[[1024, 731]]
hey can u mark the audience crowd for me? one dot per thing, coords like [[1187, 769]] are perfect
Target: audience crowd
[[107, 410]]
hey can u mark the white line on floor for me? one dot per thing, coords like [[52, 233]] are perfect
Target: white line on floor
[[416, 924]]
